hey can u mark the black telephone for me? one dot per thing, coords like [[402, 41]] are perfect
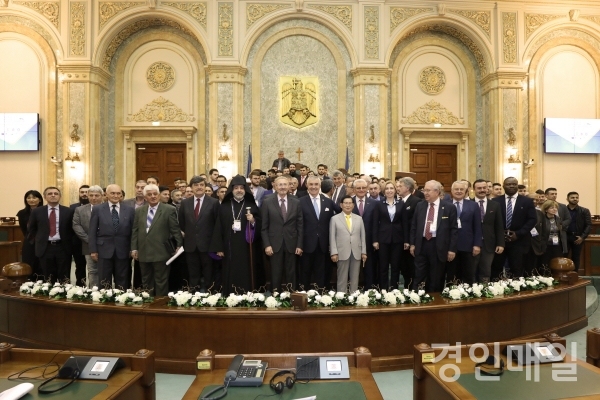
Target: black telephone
[[243, 372]]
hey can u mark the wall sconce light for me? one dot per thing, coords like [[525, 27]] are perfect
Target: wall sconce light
[[528, 163], [74, 136], [225, 135], [512, 141], [223, 156], [372, 137], [72, 160]]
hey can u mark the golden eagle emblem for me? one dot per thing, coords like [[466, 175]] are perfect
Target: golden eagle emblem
[[299, 106]]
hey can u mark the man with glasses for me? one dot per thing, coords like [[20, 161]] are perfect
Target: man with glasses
[[222, 181], [364, 206]]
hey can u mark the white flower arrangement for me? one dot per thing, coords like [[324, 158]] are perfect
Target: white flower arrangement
[[498, 288], [79, 293]]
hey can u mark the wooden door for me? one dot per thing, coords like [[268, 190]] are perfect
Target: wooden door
[[167, 161], [435, 162]]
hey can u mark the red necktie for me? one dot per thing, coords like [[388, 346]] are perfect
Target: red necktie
[[197, 208], [430, 215], [52, 221]]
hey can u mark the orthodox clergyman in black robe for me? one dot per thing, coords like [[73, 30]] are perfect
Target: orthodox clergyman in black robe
[[233, 237]]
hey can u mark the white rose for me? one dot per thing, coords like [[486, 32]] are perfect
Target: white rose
[[137, 299], [260, 297], [340, 295], [414, 298], [421, 292], [331, 293], [96, 296], [232, 301], [311, 293], [271, 302], [389, 298], [350, 299], [362, 300], [326, 300], [454, 294], [377, 295]]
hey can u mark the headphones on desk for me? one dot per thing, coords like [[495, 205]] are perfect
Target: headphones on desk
[[68, 371], [488, 367], [279, 386]]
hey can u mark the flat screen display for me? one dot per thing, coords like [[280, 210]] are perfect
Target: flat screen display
[[19, 132], [572, 135]]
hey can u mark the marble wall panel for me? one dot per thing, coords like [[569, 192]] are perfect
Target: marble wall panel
[[59, 138], [76, 116], [225, 116]]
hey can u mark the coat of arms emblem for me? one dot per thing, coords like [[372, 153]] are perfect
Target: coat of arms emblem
[[299, 106]]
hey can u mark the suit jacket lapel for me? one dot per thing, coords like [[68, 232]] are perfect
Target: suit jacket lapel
[[157, 214]]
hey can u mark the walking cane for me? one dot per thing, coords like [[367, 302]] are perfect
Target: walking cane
[[250, 237]]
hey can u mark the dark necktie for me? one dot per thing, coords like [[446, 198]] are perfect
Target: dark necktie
[[335, 194], [458, 209], [429, 221], [283, 209], [509, 212], [52, 222], [361, 209], [197, 209], [481, 210], [115, 218]]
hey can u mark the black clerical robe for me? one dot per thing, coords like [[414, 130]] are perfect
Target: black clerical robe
[[236, 275]]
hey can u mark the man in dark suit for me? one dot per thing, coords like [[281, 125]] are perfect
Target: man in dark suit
[[433, 237], [339, 189], [518, 215], [282, 234], [281, 162], [405, 188], [136, 202], [470, 237], [257, 191], [492, 228], [76, 248], [110, 239], [317, 211], [154, 226], [579, 228], [302, 179], [365, 207], [197, 218], [51, 226]]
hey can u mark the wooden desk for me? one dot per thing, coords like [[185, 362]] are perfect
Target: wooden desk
[[359, 362], [590, 256], [429, 384], [134, 381]]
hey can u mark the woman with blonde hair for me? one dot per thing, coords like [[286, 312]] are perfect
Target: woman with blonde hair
[[553, 238]]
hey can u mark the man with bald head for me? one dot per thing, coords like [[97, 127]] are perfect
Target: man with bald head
[[110, 238]]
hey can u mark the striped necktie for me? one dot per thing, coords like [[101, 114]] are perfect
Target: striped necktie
[[149, 218], [509, 212]]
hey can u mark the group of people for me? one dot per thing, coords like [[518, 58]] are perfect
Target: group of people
[[291, 229]]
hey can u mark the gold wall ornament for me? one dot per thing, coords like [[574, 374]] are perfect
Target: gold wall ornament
[[160, 109], [225, 29], [77, 37], [593, 18], [372, 32], [400, 14], [534, 21], [135, 27], [3, 3], [341, 13], [432, 80], [49, 9], [432, 113], [254, 12], [480, 18], [509, 37], [160, 76], [299, 100], [29, 23], [449, 30], [196, 10], [110, 9]]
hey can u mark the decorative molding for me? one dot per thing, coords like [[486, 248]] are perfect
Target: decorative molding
[[195, 10], [480, 18], [160, 109], [225, 29], [509, 37], [372, 32], [593, 18], [371, 76], [84, 74], [254, 11], [503, 80], [160, 76], [400, 14], [432, 80], [49, 9], [432, 113], [461, 36], [225, 74], [3, 3], [342, 13], [534, 21], [135, 27], [110, 9], [28, 23], [574, 15], [130, 133], [77, 36]]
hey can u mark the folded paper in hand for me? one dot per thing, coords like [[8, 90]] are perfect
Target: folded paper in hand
[[177, 254]]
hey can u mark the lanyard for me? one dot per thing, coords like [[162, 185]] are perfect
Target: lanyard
[[240, 213]]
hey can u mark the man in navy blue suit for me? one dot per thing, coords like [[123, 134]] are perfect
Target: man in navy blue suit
[[433, 237], [317, 211], [365, 206], [470, 236], [518, 213]]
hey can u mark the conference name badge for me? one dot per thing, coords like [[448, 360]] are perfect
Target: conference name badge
[[237, 225]]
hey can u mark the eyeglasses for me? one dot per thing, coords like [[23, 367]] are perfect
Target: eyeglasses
[[221, 181]]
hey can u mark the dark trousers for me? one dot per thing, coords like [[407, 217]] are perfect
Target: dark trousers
[[114, 267], [462, 267], [56, 262], [200, 265], [178, 276], [390, 256], [155, 277], [575, 249], [429, 268], [29, 258], [515, 255], [407, 269], [312, 269], [552, 251], [80, 267], [283, 271], [371, 268]]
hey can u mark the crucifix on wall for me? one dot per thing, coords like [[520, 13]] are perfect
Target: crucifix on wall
[[299, 152]]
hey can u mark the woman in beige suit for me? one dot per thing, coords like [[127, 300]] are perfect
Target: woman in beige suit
[[348, 245]]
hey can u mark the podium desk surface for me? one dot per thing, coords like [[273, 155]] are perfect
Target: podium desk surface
[[215, 377]]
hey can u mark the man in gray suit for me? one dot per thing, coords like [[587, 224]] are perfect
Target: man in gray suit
[[110, 237], [347, 241], [154, 226], [81, 227], [282, 230], [257, 191]]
